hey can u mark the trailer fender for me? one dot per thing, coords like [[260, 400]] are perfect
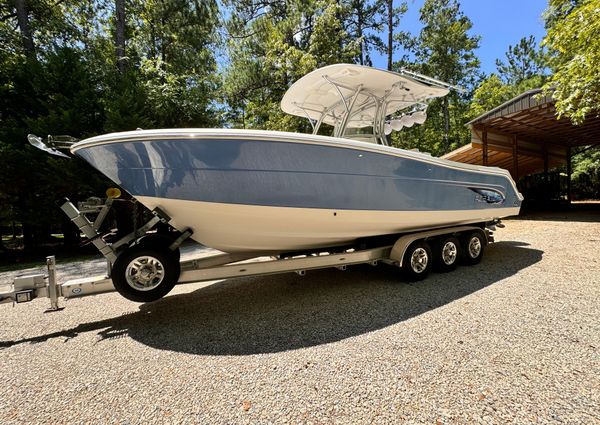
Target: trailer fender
[[402, 244]]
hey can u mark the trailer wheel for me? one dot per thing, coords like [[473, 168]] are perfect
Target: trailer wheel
[[474, 245], [417, 261], [447, 252], [144, 274]]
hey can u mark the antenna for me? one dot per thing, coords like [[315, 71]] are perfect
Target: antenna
[[429, 80]]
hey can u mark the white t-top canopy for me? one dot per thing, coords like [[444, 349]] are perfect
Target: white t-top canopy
[[367, 95]]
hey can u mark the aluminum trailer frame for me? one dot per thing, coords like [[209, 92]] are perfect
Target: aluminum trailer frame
[[220, 266]]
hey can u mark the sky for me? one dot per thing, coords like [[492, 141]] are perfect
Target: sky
[[500, 23]]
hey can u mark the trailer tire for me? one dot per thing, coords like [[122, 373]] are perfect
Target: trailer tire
[[474, 245], [144, 274], [417, 261], [447, 252]]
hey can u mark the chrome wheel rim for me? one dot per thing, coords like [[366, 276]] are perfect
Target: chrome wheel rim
[[144, 273], [449, 253], [474, 247], [419, 260]]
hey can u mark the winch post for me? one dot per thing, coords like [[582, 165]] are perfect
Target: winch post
[[88, 230], [102, 214]]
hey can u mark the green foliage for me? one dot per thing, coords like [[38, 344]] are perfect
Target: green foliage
[[445, 50], [127, 104], [270, 47], [524, 69], [586, 174], [489, 94], [523, 61], [71, 85], [444, 47], [58, 96], [174, 42], [492, 92], [364, 20], [573, 39]]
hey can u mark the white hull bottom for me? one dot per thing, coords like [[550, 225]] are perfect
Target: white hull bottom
[[247, 228]]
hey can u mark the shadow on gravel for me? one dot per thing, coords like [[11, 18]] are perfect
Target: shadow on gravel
[[284, 312]]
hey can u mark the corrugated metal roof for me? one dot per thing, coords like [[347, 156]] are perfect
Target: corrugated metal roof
[[519, 103], [531, 120]]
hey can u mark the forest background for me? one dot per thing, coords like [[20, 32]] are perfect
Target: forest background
[[86, 67]]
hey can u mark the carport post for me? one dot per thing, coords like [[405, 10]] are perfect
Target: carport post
[[485, 146], [515, 152], [546, 188]]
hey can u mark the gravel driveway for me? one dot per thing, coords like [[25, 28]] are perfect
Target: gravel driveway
[[515, 339]]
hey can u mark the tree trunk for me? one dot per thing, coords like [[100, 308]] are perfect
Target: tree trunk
[[446, 125], [338, 17], [390, 46], [29, 242], [120, 34], [154, 51], [163, 42], [23, 22], [44, 235], [70, 232], [359, 32]]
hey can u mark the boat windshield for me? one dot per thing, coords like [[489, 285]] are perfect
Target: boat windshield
[[356, 100]]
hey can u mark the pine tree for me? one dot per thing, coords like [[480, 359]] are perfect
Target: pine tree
[[392, 17], [272, 45], [445, 50], [523, 61]]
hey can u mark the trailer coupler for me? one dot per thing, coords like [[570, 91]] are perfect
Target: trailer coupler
[[29, 287]]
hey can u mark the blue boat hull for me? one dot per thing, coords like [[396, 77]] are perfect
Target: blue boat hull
[[289, 176]]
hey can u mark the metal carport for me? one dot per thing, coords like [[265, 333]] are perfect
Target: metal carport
[[524, 136]]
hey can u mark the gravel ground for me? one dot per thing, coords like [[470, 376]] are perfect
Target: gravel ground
[[515, 339]]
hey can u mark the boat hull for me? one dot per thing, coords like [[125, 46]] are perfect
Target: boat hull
[[245, 228], [266, 191]]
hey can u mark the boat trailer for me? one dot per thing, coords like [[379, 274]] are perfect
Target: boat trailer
[[406, 253]]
